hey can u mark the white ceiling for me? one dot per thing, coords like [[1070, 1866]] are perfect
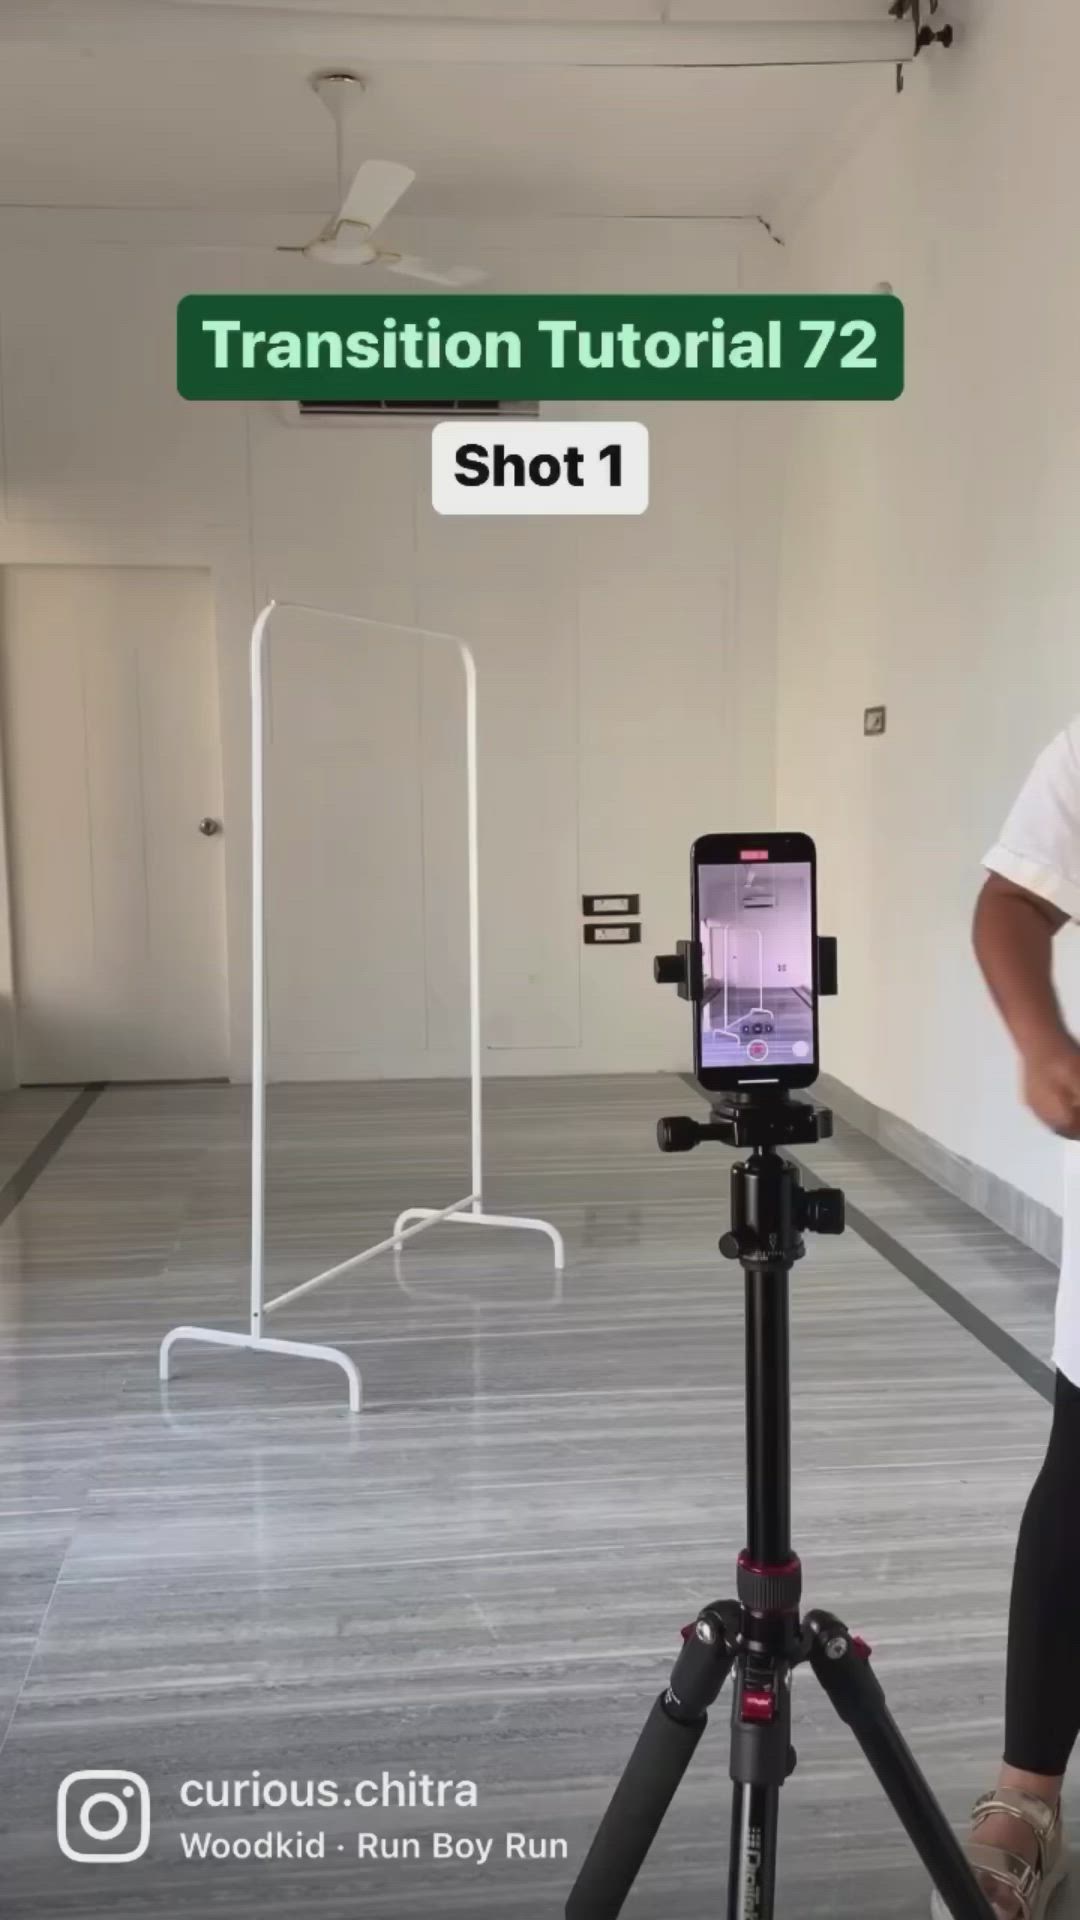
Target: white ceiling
[[197, 120]]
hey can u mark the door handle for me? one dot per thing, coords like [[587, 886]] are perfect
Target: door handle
[[209, 826]]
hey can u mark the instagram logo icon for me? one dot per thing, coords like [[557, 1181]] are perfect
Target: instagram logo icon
[[103, 1817]]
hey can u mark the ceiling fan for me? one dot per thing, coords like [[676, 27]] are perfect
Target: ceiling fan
[[348, 239]]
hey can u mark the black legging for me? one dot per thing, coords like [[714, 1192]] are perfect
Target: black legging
[[1042, 1692]]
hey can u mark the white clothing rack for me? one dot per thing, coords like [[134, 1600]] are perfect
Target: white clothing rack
[[469, 1211]]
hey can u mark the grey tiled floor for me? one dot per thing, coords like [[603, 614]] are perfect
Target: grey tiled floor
[[483, 1577], [24, 1117], [1016, 1287]]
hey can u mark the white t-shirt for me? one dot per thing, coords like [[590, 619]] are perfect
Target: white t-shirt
[[1039, 849]]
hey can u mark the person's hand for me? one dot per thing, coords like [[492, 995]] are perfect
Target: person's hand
[[1051, 1080]]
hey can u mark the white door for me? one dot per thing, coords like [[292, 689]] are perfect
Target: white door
[[111, 745]]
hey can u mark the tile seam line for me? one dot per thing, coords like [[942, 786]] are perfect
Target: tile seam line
[[44, 1151]]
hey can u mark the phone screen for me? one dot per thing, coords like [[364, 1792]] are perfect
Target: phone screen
[[757, 932]]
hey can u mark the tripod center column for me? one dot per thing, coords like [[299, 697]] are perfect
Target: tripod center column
[[764, 1196]]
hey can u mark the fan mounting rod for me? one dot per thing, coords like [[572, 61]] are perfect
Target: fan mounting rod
[[335, 90]]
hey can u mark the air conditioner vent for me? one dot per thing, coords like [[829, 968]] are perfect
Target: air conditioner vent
[[414, 409]]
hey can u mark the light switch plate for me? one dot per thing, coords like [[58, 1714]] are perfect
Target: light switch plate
[[874, 720], [594, 904]]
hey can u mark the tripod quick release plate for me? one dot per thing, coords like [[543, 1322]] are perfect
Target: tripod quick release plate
[[768, 1122]]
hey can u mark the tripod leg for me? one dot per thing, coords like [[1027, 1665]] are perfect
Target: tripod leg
[[755, 1817], [665, 1748], [842, 1664]]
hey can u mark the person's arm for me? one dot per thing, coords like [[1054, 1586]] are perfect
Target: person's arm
[[1014, 938]]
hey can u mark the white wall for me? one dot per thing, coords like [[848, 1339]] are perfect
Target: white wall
[[626, 668], [930, 561]]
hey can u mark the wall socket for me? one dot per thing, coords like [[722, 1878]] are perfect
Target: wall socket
[[873, 720]]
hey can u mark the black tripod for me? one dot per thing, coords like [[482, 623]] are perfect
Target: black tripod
[[760, 1637]]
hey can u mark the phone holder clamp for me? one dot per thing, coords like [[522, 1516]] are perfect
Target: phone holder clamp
[[684, 969]]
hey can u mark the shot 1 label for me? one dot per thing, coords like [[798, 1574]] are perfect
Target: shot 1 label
[[540, 467]]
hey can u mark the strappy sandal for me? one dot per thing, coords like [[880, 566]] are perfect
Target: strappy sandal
[[1033, 1886]]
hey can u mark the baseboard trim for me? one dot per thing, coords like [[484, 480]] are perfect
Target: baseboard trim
[[1016, 1213]]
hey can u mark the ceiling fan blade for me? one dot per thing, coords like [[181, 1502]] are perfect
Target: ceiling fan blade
[[416, 269], [376, 189]]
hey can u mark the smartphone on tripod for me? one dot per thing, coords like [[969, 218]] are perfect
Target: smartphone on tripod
[[755, 918]]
